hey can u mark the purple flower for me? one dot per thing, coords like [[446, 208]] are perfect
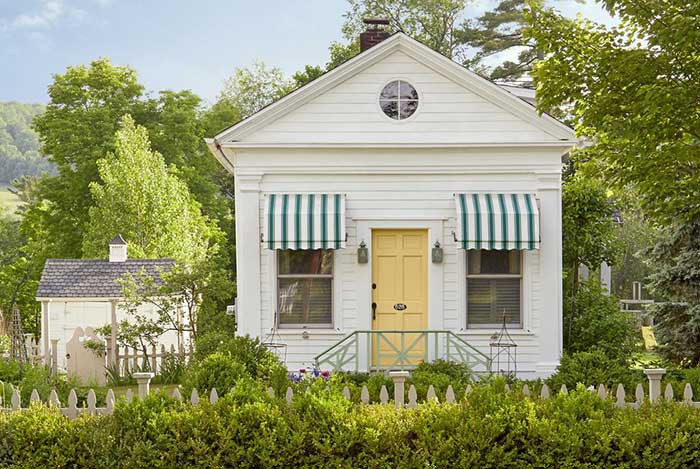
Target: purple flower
[[302, 370], [316, 372]]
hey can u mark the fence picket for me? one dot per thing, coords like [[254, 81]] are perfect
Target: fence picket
[[290, 394], [346, 393], [194, 397], [176, 394], [109, 401], [468, 390], [688, 394], [526, 390], [213, 396], [364, 395], [15, 399], [270, 391], [602, 392], [53, 399], [412, 397], [72, 410], [91, 402], [383, 395], [544, 394], [507, 387], [34, 398], [563, 390], [129, 395], [450, 394], [620, 396], [668, 393], [431, 396], [639, 394]]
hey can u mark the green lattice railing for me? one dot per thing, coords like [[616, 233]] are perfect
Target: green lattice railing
[[399, 350]]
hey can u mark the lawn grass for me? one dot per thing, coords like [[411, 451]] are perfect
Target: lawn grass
[[9, 202]]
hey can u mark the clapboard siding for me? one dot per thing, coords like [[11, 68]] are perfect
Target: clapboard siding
[[447, 113], [401, 197]]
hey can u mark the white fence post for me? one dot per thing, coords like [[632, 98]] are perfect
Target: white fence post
[[143, 379], [399, 378], [654, 375]]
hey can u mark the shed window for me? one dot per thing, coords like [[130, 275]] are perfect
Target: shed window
[[305, 288], [399, 99], [493, 288]]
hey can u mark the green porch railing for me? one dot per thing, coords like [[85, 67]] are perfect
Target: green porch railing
[[368, 350]]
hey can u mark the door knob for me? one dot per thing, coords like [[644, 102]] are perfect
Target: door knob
[[374, 311]]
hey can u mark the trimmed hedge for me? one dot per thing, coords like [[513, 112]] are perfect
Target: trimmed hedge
[[247, 428]]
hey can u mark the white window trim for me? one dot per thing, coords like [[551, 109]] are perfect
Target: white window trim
[[527, 264], [466, 278], [274, 293], [407, 119]]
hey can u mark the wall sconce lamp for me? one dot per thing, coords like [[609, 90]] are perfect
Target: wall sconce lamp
[[362, 253], [437, 253]]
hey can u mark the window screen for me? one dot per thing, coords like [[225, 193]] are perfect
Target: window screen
[[305, 288], [493, 288]]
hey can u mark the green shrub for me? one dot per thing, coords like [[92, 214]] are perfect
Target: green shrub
[[217, 370], [489, 428], [599, 324], [258, 360], [592, 369]]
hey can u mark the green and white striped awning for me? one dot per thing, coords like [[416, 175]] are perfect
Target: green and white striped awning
[[304, 221], [497, 221]]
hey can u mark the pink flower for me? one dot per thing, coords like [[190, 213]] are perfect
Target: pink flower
[[302, 370], [325, 373]]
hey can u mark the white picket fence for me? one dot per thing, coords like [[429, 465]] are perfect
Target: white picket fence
[[72, 410]]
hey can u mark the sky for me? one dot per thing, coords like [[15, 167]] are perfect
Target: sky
[[176, 44]]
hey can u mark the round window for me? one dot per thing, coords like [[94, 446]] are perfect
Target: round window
[[399, 99]]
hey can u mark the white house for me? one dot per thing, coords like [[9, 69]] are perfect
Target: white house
[[399, 192], [81, 294]]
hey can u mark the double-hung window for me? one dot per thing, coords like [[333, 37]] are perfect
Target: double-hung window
[[494, 280], [305, 288]]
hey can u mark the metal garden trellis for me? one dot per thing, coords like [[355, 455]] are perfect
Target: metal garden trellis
[[504, 351]]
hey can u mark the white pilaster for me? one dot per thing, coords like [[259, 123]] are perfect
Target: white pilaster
[[550, 321], [46, 331], [248, 254]]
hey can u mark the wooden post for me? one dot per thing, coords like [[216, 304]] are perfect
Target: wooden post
[[399, 378], [654, 375], [45, 313], [113, 358], [54, 356]]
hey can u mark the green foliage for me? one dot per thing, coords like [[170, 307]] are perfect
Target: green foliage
[[676, 258], [251, 89], [632, 89], [589, 231], [218, 370], [19, 144], [257, 359], [592, 368], [596, 323], [490, 428], [143, 200], [441, 374]]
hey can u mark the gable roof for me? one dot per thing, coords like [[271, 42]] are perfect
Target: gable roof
[[397, 42], [94, 278]]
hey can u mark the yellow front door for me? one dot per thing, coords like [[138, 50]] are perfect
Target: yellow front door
[[399, 295]]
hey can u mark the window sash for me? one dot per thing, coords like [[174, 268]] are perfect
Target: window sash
[[494, 297], [304, 277]]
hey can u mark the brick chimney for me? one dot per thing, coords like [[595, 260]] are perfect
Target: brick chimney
[[374, 34]]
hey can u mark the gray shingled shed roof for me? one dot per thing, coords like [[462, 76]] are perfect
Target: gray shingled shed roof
[[93, 278]]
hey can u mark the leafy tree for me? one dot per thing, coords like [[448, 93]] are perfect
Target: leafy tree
[[676, 258], [500, 32], [589, 230], [433, 22], [251, 89], [141, 198], [19, 144], [633, 91]]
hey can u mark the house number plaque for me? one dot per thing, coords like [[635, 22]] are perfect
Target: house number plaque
[[400, 306]]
